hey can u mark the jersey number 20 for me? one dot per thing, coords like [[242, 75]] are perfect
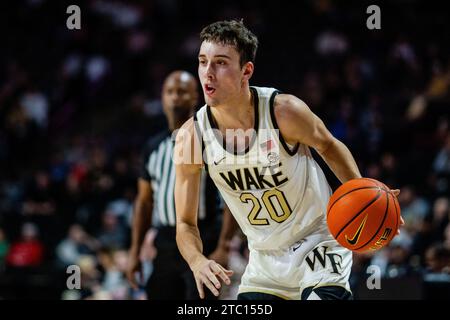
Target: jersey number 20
[[267, 199]]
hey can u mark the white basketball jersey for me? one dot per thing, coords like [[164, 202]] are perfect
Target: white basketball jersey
[[277, 193]]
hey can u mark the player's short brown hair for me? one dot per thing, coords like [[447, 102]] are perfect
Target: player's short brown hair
[[232, 33]]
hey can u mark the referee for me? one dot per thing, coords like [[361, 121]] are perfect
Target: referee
[[155, 205]]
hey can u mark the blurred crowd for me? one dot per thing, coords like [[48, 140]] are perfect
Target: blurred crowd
[[77, 106]]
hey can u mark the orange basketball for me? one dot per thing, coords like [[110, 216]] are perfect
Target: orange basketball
[[363, 215]]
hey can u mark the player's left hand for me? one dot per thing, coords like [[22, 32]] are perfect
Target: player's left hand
[[211, 274], [396, 192]]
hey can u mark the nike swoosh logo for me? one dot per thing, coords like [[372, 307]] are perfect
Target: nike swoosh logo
[[217, 162], [355, 238], [298, 245]]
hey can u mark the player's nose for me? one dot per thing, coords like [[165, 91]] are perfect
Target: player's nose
[[209, 72]]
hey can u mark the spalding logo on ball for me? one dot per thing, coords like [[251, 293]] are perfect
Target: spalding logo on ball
[[363, 215]]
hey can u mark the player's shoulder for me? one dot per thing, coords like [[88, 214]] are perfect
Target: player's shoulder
[[279, 99], [265, 92], [188, 132], [188, 126], [200, 117], [288, 106], [291, 116], [188, 145]]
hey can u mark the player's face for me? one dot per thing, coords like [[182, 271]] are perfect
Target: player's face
[[179, 97], [219, 72]]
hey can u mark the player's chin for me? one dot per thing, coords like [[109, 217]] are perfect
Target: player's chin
[[210, 101]]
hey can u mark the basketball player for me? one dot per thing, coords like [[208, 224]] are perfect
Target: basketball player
[[171, 277], [255, 145]]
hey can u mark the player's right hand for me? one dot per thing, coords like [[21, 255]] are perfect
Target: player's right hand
[[210, 273], [396, 192], [134, 268]]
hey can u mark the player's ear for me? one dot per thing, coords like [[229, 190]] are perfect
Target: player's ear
[[248, 69]]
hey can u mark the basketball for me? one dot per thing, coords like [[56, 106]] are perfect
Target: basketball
[[363, 215]]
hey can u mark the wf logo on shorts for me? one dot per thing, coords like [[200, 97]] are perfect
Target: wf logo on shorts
[[322, 257]]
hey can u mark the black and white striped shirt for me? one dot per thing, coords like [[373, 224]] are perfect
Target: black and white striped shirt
[[159, 170]]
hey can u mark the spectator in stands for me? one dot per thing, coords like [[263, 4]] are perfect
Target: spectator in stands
[[28, 251], [4, 247], [76, 244], [438, 259]]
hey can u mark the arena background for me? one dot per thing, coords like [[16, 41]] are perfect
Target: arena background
[[76, 107]]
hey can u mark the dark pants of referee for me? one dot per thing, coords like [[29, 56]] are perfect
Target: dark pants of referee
[[172, 279]]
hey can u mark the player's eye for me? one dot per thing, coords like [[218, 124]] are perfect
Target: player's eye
[[202, 62], [221, 62]]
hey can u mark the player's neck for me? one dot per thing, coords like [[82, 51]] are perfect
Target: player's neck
[[237, 113]]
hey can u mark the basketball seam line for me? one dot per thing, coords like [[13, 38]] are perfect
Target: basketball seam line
[[378, 183], [358, 214], [381, 224], [361, 188]]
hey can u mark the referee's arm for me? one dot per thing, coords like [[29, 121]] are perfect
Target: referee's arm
[[142, 220]]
